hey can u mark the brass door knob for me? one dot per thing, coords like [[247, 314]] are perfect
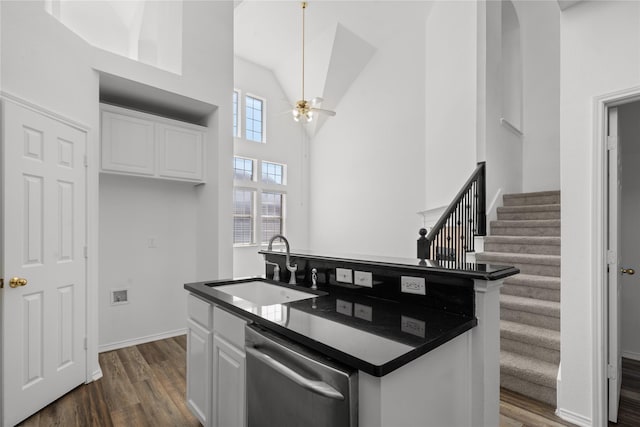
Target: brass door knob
[[629, 271], [17, 281]]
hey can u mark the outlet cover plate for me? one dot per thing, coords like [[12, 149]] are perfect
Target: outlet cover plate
[[413, 285], [344, 275], [363, 278]]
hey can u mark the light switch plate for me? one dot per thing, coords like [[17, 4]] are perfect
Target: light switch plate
[[413, 285], [344, 275], [363, 278]]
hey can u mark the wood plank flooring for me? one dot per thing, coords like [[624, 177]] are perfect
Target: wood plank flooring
[[145, 385]]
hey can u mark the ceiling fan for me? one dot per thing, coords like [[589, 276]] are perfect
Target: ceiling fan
[[304, 110]]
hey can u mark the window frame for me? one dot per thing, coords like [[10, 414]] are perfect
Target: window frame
[[252, 216], [263, 118], [254, 170], [283, 175], [238, 113], [282, 217]]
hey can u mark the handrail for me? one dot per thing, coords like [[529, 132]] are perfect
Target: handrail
[[465, 217]]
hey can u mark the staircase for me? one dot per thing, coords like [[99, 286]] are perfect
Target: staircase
[[527, 236]]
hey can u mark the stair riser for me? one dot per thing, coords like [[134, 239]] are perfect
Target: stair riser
[[539, 270], [522, 248], [525, 231], [531, 292], [528, 215], [532, 319], [531, 200], [529, 389], [526, 349], [548, 283]]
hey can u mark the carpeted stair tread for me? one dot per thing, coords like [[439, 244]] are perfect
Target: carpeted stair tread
[[542, 245], [526, 223], [524, 212], [504, 257], [553, 207], [530, 305], [529, 369], [541, 337], [537, 198], [521, 279], [524, 240]]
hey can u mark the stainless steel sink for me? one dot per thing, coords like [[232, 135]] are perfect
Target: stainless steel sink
[[263, 293]]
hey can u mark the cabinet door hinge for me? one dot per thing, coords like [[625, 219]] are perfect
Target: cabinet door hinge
[[612, 373]]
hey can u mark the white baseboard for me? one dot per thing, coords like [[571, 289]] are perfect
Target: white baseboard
[[572, 417], [631, 355], [95, 375], [136, 341], [492, 209]]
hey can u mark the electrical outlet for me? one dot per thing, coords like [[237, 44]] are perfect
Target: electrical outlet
[[363, 278], [119, 296], [413, 285], [344, 275]]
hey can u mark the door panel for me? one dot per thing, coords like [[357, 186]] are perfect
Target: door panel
[[44, 225]]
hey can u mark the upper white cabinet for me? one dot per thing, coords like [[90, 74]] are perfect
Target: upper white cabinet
[[142, 144]]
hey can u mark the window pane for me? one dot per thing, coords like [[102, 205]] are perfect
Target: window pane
[[272, 173], [242, 168], [254, 119], [271, 215]]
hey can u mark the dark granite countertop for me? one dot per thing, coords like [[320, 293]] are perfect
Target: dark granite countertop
[[372, 334]]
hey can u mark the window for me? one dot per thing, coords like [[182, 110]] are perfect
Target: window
[[243, 169], [271, 215], [254, 121], [272, 173], [243, 216], [236, 113]]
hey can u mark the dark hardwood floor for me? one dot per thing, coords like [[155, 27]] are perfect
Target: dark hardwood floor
[[145, 385]]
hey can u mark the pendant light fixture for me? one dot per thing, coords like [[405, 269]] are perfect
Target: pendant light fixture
[[304, 110]]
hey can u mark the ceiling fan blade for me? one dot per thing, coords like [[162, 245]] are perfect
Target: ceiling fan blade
[[316, 101], [327, 112]]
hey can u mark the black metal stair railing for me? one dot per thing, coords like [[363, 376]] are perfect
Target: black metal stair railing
[[453, 235]]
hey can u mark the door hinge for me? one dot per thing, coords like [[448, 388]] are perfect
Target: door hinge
[[86, 161], [612, 373], [85, 343], [1, 283], [612, 142], [611, 257], [86, 252]]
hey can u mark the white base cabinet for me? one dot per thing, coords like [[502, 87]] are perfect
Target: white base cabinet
[[215, 365]]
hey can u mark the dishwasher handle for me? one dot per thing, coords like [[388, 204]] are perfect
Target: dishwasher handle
[[318, 387]]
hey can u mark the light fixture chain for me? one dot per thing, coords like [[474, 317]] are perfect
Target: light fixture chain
[[304, 6]]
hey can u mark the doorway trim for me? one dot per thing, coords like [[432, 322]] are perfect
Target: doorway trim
[[599, 208]]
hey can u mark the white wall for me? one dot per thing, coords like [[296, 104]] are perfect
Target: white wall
[[600, 45], [540, 43], [286, 144], [450, 81], [367, 172], [629, 131], [44, 63], [134, 210]]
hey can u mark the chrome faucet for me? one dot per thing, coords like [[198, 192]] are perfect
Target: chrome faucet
[[292, 268]]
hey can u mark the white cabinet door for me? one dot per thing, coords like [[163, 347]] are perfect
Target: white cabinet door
[[198, 372], [180, 152], [127, 144], [229, 384]]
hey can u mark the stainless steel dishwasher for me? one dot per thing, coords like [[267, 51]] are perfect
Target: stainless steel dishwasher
[[290, 385]]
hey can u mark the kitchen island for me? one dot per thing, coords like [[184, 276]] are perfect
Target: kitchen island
[[425, 356]]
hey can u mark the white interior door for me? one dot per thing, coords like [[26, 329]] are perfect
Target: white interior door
[[44, 226], [614, 245]]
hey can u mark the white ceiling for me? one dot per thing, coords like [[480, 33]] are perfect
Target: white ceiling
[[341, 37]]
